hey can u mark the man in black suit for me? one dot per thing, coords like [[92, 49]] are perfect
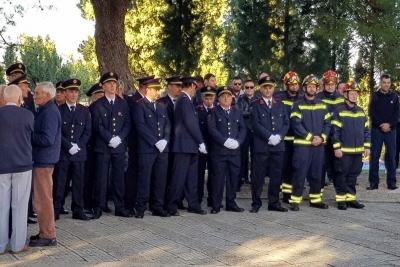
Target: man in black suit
[[187, 141], [131, 174], [75, 133], [270, 125], [151, 121], [228, 131], [111, 124], [203, 110]]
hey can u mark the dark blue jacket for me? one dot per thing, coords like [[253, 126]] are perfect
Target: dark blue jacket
[[243, 103], [221, 127], [332, 101], [76, 128], [29, 104], [269, 121], [46, 139], [132, 139], [169, 105], [15, 139], [186, 129], [110, 121], [202, 114], [152, 125], [384, 108]]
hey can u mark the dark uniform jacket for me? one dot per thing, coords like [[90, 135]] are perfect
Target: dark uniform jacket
[[350, 130], [76, 127], [133, 134], [331, 100], [186, 129], [221, 127], [152, 125], [269, 121], [29, 103], [310, 118], [202, 114], [288, 101], [384, 108], [110, 121], [169, 105], [243, 103]]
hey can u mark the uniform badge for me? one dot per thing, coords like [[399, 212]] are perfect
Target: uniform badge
[[119, 113], [20, 66], [111, 73], [391, 102], [262, 102], [74, 81]]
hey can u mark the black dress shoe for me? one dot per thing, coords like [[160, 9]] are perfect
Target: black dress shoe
[[342, 206], [197, 211], [392, 187], [372, 187], [173, 213], [180, 206], [32, 220], [56, 216], [294, 207], [234, 209], [131, 211], [215, 210], [254, 209], [107, 210], [43, 242], [80, 215], [139, 215], [355, 204], [64, 211], [97, 214], [123, 213], [319, 205], [277, 208], [160, 213], [34, 237], [88, 211], [32, 215]]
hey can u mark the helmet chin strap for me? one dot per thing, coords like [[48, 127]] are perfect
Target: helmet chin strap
[[352, 102]]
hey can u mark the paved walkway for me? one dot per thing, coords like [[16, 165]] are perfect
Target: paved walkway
[[311, 237]]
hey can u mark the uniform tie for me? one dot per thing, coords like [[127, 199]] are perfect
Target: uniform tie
[[72, 108], [269, 103], [112, 103]]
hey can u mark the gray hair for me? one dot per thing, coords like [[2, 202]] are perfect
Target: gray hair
[[121, 83], [48, 88], [12, 93]]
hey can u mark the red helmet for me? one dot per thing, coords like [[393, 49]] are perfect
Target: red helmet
[[351, 86], [330, 77], [291, 78], [311, 79]]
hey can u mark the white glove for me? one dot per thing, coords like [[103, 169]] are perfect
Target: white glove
[[161, 144], [76, 145], [114, 142], [74, 149], [229, 143], [202, 148], [274, 140], [235, 144]]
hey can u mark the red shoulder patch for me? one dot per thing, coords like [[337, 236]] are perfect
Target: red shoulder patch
[[262, 102]]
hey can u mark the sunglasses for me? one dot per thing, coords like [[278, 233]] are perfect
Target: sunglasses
[[237, 84], [249, 87]]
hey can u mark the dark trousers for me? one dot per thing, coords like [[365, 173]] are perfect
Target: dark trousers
[[61, 170], [275, 160], [307, 161], [131, 178], [226, 168], [347, 170], [287, 171], [246, 158], [90, 177], [204, 162], [328, 168], [103, 161], [397, 148], [184, 181], [378, 138], [152, 174]]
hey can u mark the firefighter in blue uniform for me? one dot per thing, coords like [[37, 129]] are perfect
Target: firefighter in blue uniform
[[203, 110], [332, 99], [75, 133], [291, 94], [228, 131], [351, 139], [188, 140], [111, 124], [310, 119], [153, 126], [270, 124]]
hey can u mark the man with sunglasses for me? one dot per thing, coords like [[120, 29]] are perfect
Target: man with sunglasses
[[384, 112], [236, 88]]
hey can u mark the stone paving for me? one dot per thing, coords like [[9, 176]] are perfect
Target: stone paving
[[310, 237]]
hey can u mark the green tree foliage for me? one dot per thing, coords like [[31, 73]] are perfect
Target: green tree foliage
[[10, 55]]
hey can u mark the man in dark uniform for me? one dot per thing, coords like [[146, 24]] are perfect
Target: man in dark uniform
[[270, 124], [75, 132], [209, 80], [60, 94], [131, 174], [291, 82], [23, 84], [228, 131], [151, 121], [188, 141], [95, 92], [111, 124], [203, 110]]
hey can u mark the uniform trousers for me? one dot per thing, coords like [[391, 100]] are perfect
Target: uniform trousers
[[43, 201], [307, 161], [62, 170], [184, 181], [226, 169], [15, 189], [275, 160], [203, 164], [348, 168], [103, 161], [246, 157], [287, 171], [152, 175], [89, 178], [131, 178]]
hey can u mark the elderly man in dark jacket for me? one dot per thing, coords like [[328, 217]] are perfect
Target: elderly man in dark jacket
[[46, 142]]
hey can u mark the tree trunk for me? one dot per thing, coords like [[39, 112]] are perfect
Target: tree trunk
[[372, 66], [111, 49], [286, 63]]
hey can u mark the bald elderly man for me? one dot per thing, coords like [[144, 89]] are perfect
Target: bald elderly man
[[15, 168]]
